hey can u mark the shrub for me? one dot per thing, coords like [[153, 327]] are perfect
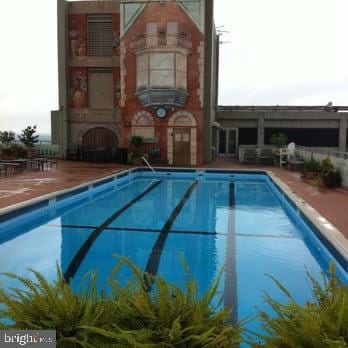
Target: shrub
[[331, 177], [147, 311], [326, 165], [279, 140], [137, 142], [18, 151], [311, 165], [321, 322]]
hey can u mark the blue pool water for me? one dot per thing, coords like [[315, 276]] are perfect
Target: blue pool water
[[239, 222]]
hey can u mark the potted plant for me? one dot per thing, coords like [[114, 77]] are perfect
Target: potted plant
[[279, 141], [154, 154], [137, 142], [29, 139], [330, 176], [311, 169]]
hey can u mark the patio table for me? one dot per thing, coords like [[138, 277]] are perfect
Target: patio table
[[21, 161], [41, 161], [17, 168]]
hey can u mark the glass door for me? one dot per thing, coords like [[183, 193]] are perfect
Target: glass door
[[227, 141]]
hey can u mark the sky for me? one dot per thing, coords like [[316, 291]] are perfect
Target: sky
[[275, 52]]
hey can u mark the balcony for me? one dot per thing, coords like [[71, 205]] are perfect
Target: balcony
[[162, 97], [161, 40]]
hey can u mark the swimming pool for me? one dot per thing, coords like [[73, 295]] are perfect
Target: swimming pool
[[238, 221]]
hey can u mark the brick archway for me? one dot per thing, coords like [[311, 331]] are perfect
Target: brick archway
[[98, 143], [88, 127]]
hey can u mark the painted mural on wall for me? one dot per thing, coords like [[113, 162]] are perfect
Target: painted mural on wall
[[117, 87], [78, 91], [116, 35], [163, 50], [77, 35], [162, 53]]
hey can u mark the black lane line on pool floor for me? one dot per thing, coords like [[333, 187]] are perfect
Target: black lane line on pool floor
[[230, 285], [82, 252], [193, 232], [135, 229], [155, 257]]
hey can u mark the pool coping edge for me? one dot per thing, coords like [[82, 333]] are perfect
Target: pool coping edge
[[327, 230]]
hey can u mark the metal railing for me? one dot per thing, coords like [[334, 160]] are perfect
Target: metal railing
[[148, 164], [160, 40], [324, 151]]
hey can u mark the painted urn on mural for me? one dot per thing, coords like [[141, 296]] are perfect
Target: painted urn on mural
[[79, 90], [79, 98]]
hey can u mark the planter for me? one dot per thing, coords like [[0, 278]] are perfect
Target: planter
[[159, 161], [310, 175], [276, 160], [137, 161]]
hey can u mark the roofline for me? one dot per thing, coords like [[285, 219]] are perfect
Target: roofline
[[325, 108]]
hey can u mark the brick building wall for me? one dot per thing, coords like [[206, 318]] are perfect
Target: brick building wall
[[161, 14]]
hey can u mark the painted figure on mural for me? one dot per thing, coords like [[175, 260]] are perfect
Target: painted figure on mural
[[78, 48], [79, 89], [117, 92], [116, 38]]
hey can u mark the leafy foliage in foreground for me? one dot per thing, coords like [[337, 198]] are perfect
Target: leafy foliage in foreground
[[131, 316], [53, 306], [321, 323]]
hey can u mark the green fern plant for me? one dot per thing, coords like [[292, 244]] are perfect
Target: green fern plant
[[320, 323], [39, 305], [146, 312], [167, 316]]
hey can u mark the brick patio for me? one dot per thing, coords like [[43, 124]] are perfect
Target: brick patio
[[21, 187], [332, 204]]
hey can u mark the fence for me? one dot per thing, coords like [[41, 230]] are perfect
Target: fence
[[46, 149], [339, 159], [43, 148]]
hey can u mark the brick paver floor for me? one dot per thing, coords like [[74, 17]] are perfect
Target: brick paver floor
[[21, 187], [332, 204]]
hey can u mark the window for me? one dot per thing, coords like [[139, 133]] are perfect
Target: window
[[181, 71], [161, 70], [100, 35], [142, 72], [100, 88]]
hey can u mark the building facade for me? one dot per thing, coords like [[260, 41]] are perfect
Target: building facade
[[137, 68], [313, 126]]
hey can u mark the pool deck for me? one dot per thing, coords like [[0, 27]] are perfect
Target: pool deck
[[21, 187], [332, 204]]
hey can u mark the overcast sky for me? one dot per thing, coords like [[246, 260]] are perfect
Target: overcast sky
[[285, 52]]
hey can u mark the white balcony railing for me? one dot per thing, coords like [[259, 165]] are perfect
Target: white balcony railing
[[142, 41]]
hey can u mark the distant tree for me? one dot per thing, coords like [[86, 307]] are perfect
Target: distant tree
[[7, 137], [28, 137]]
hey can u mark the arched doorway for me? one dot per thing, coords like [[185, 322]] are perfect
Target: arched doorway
[[182, 139], [99, 144]]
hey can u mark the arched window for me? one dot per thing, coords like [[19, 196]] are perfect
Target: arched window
[[143, 125]]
